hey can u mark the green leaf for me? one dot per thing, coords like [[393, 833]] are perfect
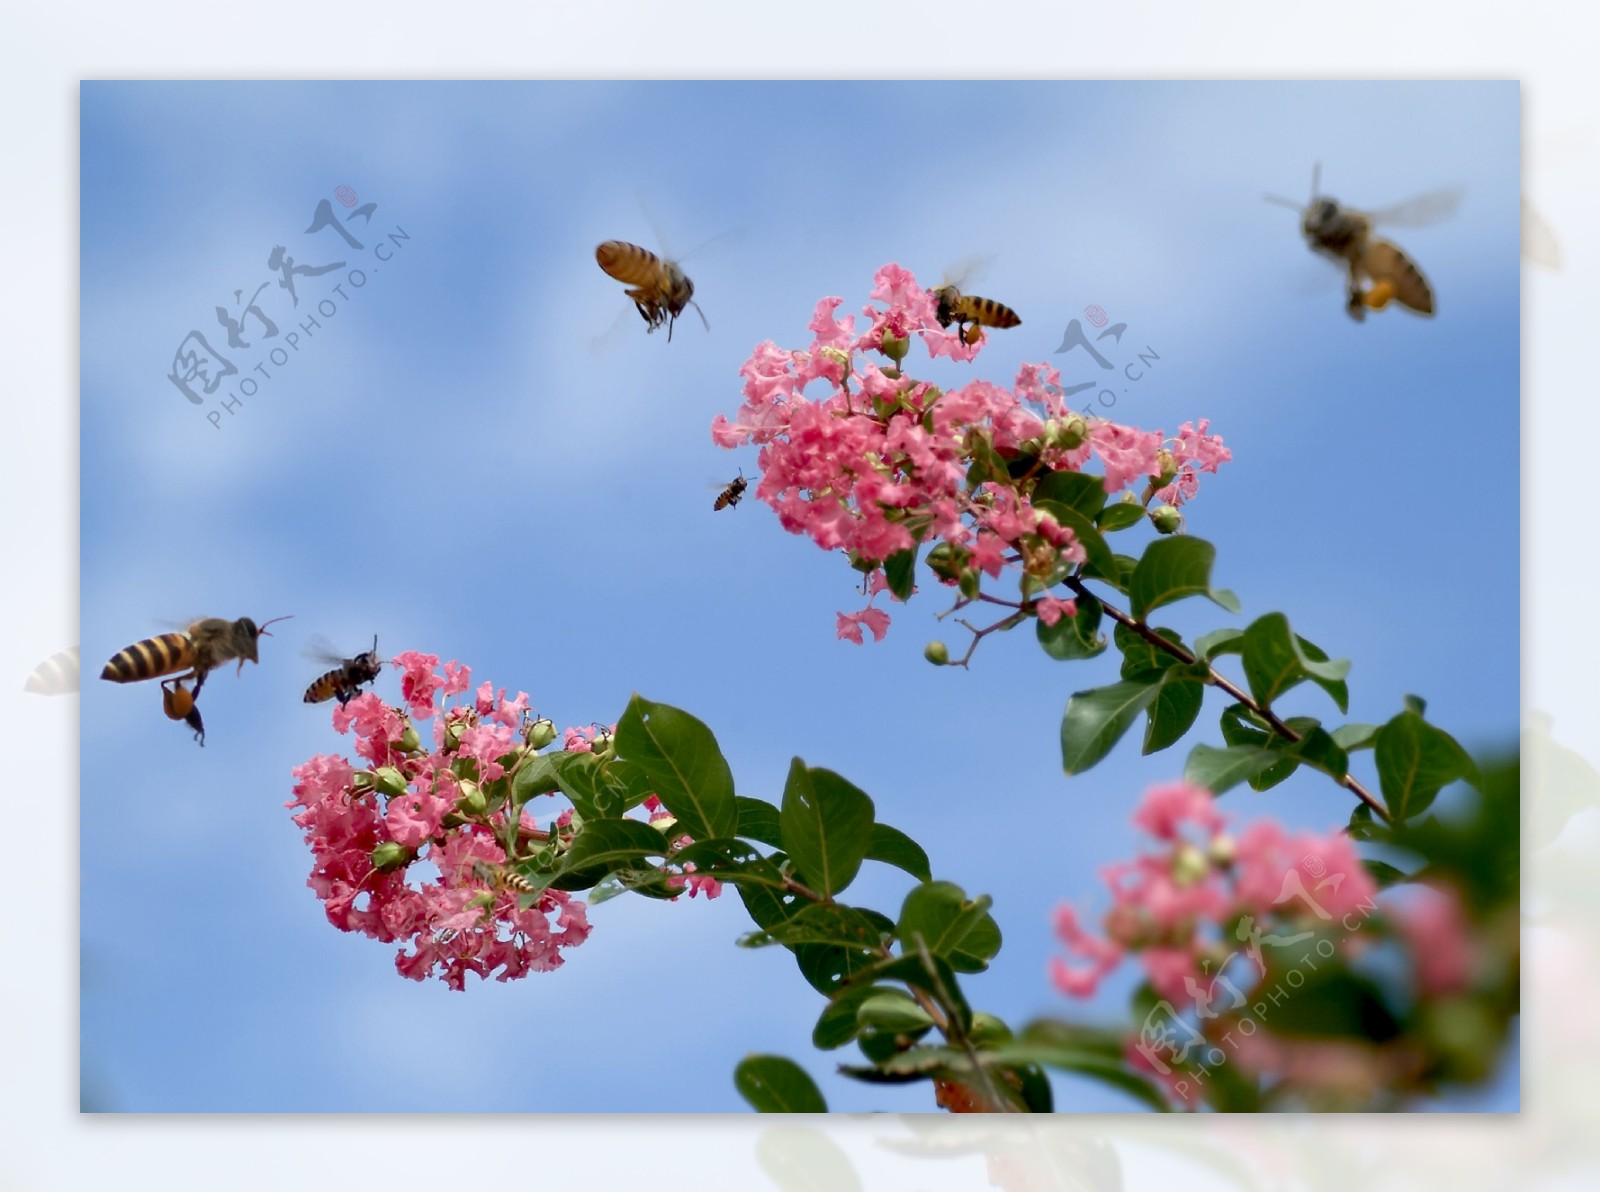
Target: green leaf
[[933, 977], [827, 967], [826, 823], [1174, 710], [1275, 660], [900, 570], [894, 848], [603, 846], [1219, 642], [687, 770], [1080, 491], [820, 923], [1416, 761], [776, 1085], [1140, 655], [1096, 719], [1219, 769], [758, 821], [1108, 1070], [1365, 827], [1119, 515], [539, 775], [601, 789], [1076, 637], [953, 927], [892, 1010], [837, 1024], [1355, 736], [1383, 873], [1171, 568], [1328, 674]]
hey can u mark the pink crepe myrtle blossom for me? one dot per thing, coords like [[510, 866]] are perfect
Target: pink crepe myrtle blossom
[[1172, 908], [407, 851], [879, 463]]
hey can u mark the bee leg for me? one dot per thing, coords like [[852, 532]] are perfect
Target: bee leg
[[194, 722], [1355, 305]]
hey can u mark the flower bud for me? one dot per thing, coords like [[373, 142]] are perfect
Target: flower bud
[[1189, 865], [601, 742], [970, 582], [937, 653], [472, 801], [1166, 518], [892, 373], [452, 736], [483, 899], [391, 855], [410, 743], [1068, 432], [1168, 465], [838, 356], [894, 347], [1222, 850], [539, 733], [947, 560], [391, 781]]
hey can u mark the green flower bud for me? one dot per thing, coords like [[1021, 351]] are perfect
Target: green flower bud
[[988, 1030], [892, 373], [970, 580], [472, 801], [936, 653], [1222, 850], [838, 356], [539, 733], [601, 742], [1189, 865], [1169, 468], [894, 347], [484, 899], [390, 780], [391, 855], [1067, 432], [410, 743], [452, 736], [947, 560], [1166, 518]]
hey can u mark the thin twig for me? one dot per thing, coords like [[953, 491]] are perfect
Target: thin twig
[[1217, 679]]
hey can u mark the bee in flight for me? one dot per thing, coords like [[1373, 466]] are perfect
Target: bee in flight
[[56, 676], [1345, 235], [203, 647], [969, 312], [659, 289], [732, 494], [345, 680]]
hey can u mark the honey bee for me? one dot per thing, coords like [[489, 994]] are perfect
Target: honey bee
[[204, 646], [56, 676], [659, 289], [969, 312], [502, 878], [345, 680], [1345, 235], [178, 703], [732, 494]]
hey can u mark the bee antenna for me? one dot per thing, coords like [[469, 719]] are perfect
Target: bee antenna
[[1282, 202], [262, 628], [1316, 180], [701, 313]]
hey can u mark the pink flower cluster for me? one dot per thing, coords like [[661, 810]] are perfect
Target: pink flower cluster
[[407, 849], [368, 852], [879, 463], [1174, 908]]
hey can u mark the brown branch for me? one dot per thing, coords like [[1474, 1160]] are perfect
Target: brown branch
[[1217, 679]]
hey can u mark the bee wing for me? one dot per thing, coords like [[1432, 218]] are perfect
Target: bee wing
[[1420, 211], [319, 650], [1538, 241], [608, 341], [967, 270]]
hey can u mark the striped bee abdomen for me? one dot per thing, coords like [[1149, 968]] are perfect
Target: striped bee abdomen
[[148, 659]]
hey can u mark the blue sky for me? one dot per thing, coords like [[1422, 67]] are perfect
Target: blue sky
[[452, 462]]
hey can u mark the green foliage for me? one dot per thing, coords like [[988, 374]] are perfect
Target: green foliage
[[1095, 720], [1076, 637], [680, 758], [1415, 762], [826, 825], [776, 1085]]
